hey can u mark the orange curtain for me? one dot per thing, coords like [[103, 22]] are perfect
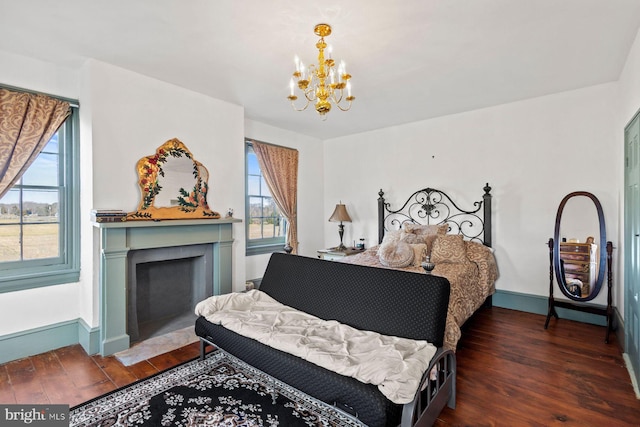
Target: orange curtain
[[279, 166], [27, 122]]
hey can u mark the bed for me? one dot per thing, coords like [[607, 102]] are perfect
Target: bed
[[437, 230]]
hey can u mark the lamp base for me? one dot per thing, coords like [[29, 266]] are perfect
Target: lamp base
[[340, 247]]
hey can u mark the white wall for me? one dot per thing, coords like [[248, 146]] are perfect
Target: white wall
[[628, 105], [132, 115], [310, 189], [531, 152], [125, 116], [629, 85], [41, 306]]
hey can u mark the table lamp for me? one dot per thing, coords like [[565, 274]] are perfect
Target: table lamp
[[340, 215]]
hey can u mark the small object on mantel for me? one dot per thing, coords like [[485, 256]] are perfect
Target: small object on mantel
[[107, 212], [229, 213], [108, 215], [102, 219]]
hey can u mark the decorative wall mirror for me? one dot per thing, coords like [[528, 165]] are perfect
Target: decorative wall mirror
[[579, 257], [173, 185]]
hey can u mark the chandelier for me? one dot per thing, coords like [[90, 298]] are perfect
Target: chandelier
[[322, 83]]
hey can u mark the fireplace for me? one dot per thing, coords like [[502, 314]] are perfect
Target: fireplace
[[141, 262], [163, 287]]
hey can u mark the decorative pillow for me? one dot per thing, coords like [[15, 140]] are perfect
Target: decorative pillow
[[444, 228], [419, 252], [449, 248], [421, 229], [395, 254], [411, 238], [427, 239], [391, 236]]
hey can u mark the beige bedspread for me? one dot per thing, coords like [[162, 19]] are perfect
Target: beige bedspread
[[396, 365], [471, 283]]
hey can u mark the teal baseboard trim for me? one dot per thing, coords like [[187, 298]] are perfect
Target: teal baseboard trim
[[115, 344], [46, 338], [539, 305], [88, 337]]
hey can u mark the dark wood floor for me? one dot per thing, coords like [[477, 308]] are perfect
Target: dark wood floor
[[511, 372]]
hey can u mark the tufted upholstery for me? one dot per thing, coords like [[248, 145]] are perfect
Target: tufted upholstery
[[391, 302]]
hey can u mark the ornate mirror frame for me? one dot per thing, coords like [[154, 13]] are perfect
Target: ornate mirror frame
[[163, 170], [560, 277]]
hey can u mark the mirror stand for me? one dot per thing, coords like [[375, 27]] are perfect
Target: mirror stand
[[584, 307]]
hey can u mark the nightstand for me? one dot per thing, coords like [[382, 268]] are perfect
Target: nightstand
[[334, 254]]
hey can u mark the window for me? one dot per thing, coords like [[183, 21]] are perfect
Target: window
[[266, 228], [39, 217]]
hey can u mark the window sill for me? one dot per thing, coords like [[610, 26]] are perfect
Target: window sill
[[37, 280], [266, 249]]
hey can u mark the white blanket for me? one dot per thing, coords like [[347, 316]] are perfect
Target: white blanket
[[394, 364]]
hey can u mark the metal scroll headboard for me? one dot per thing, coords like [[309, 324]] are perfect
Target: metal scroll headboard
[[432, 206]]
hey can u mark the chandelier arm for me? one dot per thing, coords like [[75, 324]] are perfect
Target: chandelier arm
[[338, 101], [344, 109], [310, 94], [300, 109], [333, 96]]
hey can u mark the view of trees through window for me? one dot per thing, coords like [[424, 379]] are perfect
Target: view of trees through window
[[265, 220], [29, 212], [265, 223]]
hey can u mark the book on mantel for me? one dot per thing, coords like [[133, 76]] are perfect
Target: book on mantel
[[108, 215]]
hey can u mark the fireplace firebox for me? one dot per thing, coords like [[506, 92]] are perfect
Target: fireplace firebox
[[163, 287]]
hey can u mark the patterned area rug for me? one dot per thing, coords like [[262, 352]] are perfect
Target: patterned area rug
[[220, 391]]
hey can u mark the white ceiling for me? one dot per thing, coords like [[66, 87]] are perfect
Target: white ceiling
[[410, 59]]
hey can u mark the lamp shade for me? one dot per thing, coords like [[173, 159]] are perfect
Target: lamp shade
[[340, 214]]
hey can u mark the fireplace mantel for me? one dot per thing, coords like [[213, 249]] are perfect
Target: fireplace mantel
[[117, 239]]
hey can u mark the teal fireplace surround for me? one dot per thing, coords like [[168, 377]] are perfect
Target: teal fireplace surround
[[117, 239]]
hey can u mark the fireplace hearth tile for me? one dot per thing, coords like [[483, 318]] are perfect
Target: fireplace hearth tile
[[157, 345]]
